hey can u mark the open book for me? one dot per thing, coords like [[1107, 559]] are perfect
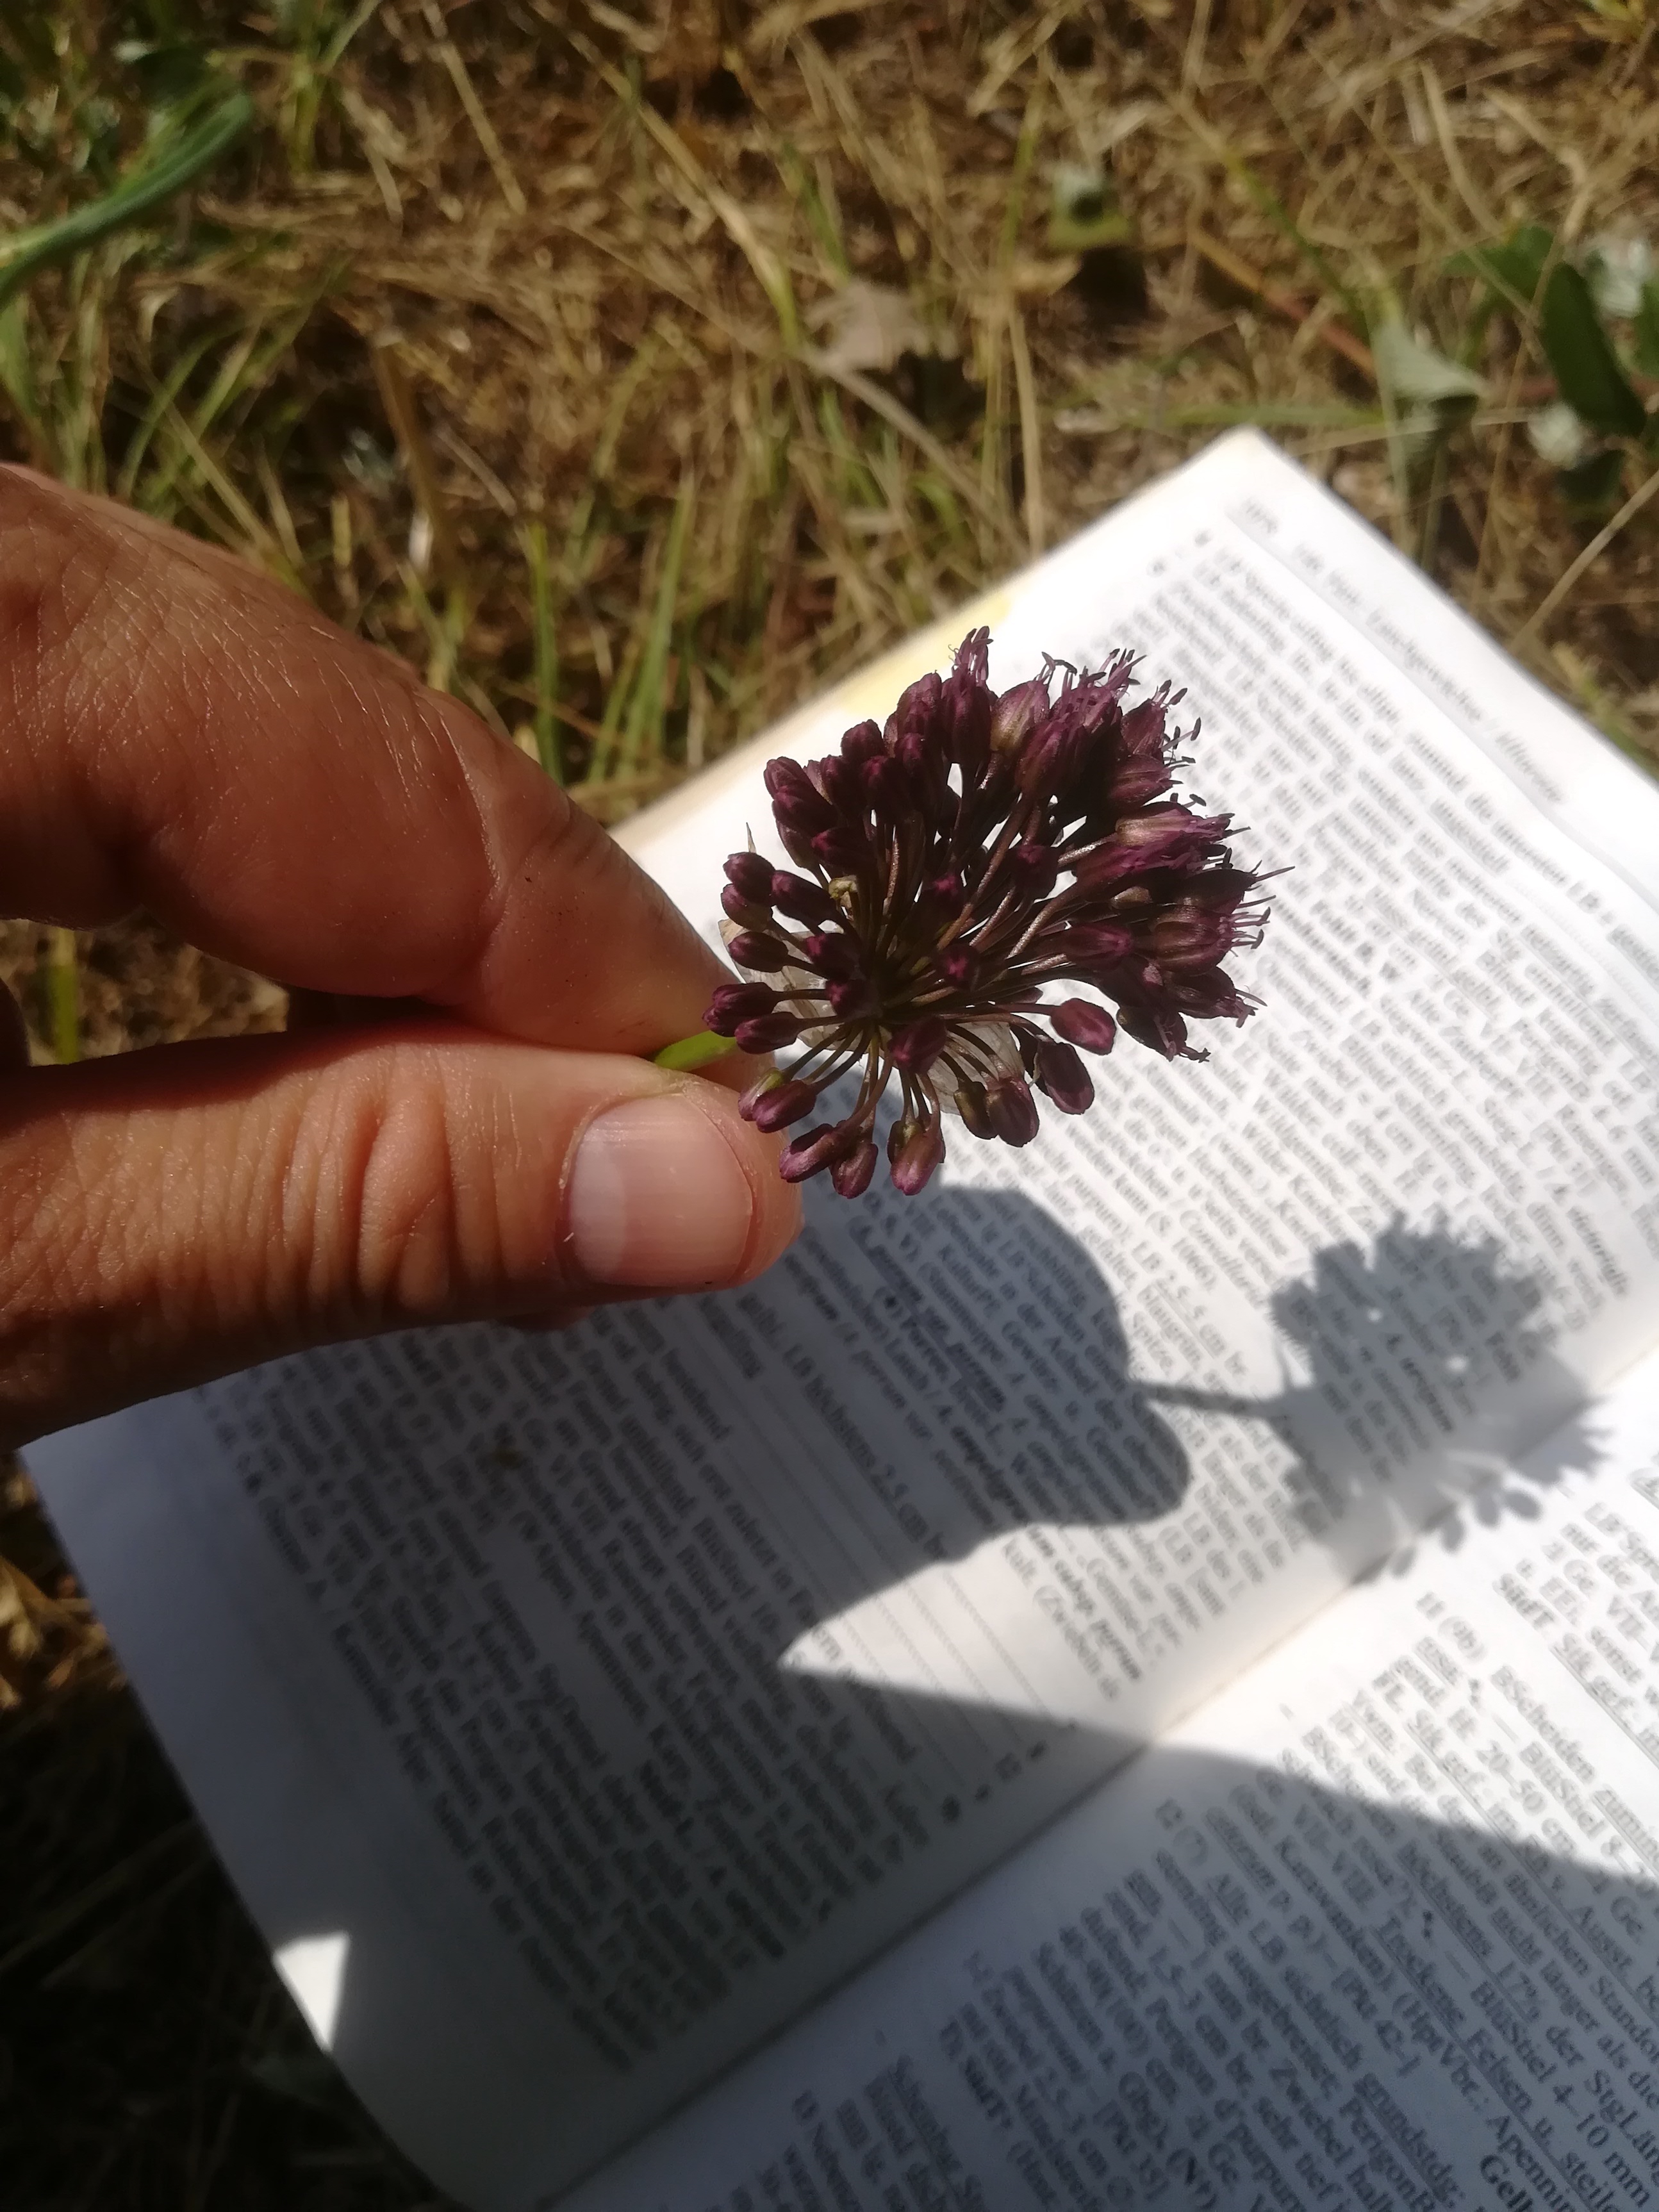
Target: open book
[[1129, 1678]]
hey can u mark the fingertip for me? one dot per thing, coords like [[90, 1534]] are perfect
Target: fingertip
[[674, 1191]]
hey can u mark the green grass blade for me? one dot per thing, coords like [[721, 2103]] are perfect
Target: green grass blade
[[648, 707], [548, 750], [149, 186]]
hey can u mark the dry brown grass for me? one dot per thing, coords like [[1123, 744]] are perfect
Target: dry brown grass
[[633, 373]]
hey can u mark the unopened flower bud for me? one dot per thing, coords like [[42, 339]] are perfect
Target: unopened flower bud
[[1061, 1075], [920, 1155], [767, 1032], [832, 952], [805, 1156], [1017, 713], [774, 1102], [746, 913], [801, 898], [738, 1002], [851, 1176], [749, 875], [1012, 1110], [1080, 1022], [757, 949], [917, 1047]]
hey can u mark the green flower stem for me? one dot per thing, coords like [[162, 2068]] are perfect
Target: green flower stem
[[694, 1051]]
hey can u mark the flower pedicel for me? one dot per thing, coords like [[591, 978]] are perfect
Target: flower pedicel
[[959, 868]]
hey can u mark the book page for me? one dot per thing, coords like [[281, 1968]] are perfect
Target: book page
[[1379, 1927], [573, 1712]]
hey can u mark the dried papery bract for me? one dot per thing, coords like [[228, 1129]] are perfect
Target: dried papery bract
[[959, 870]]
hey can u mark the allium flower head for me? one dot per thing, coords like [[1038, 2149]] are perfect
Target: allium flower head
[[959, 870]]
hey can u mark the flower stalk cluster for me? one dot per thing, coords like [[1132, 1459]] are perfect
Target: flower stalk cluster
[[959, 871]]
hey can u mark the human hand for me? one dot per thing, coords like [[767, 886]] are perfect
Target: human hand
[[183, 734]]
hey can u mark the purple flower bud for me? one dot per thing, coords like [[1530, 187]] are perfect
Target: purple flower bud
[[1092, 944], [767, 1032], [958, 965], [807, 1155], [797, 804], [965, 703], [851, 1176], [1160, 1028], [746, 912], [841, 782], [1062, 1077], [974, 1110], [832, 953], [853, 998], [759, 949], [1035, 868], [1208, 995], [1012, 1110], [749, 875], [1017, 713], [918, 1044], [918, 703], [738, 1002], [841, 851], [914, 1163], [801, 899], [774, 1102], [862, 741], [1080, 1022], [887, 791], [1190, 938]]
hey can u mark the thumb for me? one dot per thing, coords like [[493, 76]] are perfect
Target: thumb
[[170, 1215]]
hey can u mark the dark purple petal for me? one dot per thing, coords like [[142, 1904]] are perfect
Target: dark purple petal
[[918, 1044], [1061, 1076], [1080, 1022], [862, 741], [851, 1176], [767, 1032], [958, 965], [915, 1163], [738, 1002], [774, 1102], [749, 875], [759, 949]]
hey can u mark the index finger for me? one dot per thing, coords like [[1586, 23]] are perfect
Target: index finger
[[184, 734]]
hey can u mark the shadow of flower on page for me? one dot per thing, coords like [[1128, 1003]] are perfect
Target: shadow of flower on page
[[1427, 1349]]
